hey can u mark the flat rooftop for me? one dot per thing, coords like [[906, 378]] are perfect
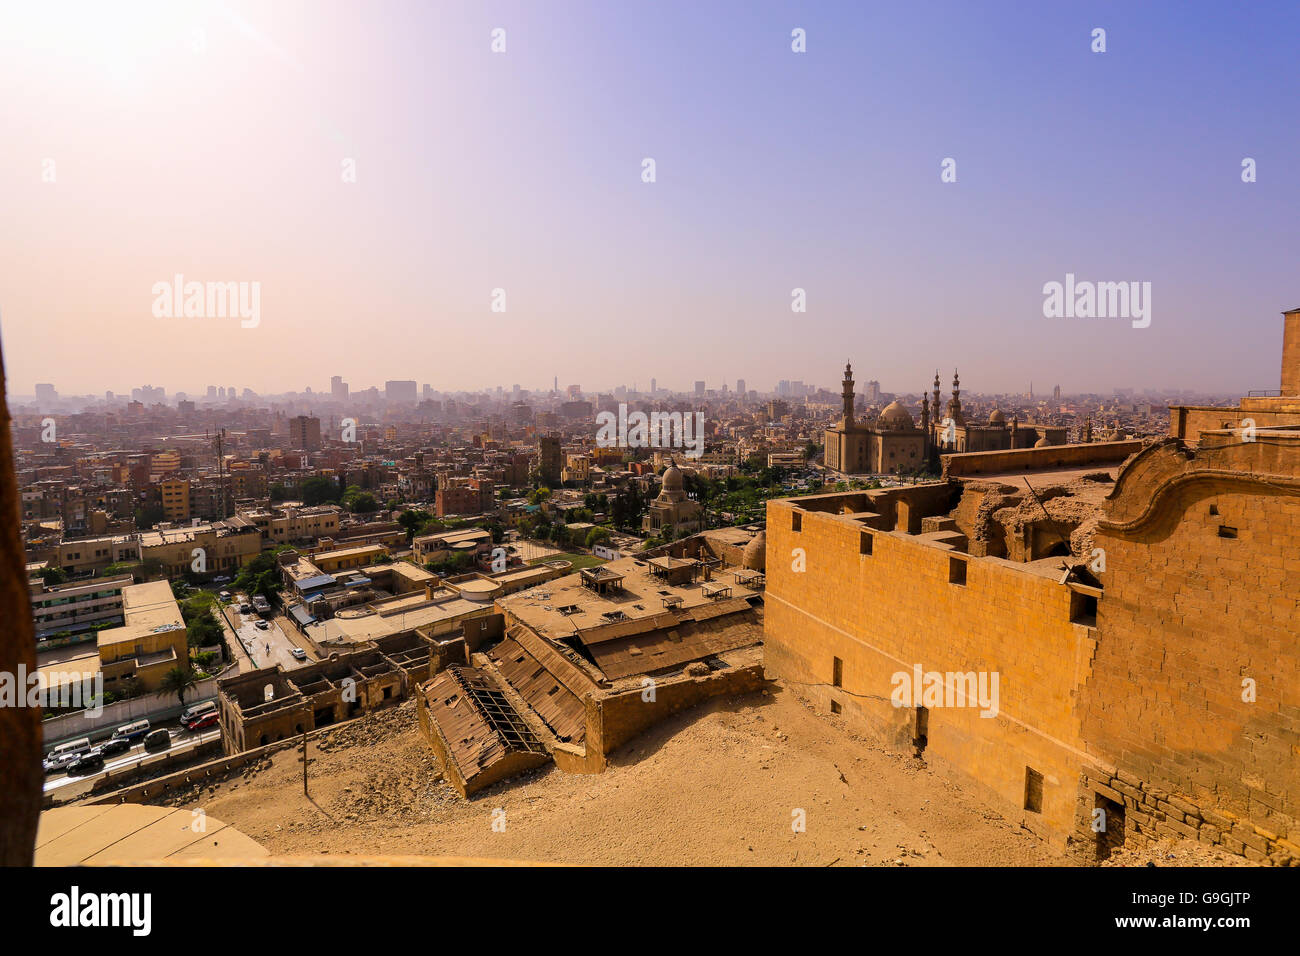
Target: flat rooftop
[[558, 608], [146, 609]]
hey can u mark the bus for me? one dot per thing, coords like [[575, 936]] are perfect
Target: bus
[[132, 731]]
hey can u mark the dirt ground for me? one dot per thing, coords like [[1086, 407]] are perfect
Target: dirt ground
[[716, 785]]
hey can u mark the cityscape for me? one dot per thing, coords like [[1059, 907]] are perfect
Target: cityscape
[[1005, 578]]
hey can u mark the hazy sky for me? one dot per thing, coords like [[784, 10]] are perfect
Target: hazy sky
[[208, 139]]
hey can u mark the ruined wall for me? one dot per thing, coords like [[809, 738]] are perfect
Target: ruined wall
[[885, 612], [618, 718], [1201, 564]]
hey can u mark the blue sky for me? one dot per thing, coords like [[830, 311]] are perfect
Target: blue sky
[[775, 170]]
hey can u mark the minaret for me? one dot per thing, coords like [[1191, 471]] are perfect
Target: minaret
[[1087, 429], [1015, 427], [925, 413], [847, 395], [954, 404]]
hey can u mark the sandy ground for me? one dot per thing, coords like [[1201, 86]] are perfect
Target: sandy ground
[[719, 784]]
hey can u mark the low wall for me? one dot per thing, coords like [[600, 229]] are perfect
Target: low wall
[[161, 706], [965, 464]]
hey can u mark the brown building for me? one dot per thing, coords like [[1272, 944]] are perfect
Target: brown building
[[1114, 637]]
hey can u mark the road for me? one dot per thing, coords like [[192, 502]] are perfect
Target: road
[[269, 646], [182, 741]]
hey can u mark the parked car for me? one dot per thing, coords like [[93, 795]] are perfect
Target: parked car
[[263, 626], [65, 753], [224, 595], [159, 739], [204, 721], [298, 654], [245, 609], [221, 579], [87, 763], [117, 745], [132, 731]]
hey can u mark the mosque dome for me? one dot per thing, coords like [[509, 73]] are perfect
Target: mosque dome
[[997, 418], [672, 478], [755, 555], [895, 416]]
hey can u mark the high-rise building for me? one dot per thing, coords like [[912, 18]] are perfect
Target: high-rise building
[[400, 390], [304, 432], [46, 393], [740, 386], [699, 388], [338, 389], [654, 386]]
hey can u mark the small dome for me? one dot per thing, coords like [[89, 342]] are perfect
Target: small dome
[[895, 416], [997, 418], [672, 478], [755, 555], [1042, 443]]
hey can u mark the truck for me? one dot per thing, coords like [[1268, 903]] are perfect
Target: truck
[[261, 605]]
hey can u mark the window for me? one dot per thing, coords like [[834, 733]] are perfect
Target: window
[[837, 672], [1083, 609], [796, 522], [922, 736], [865, 546], [1227, 532], [1033, 790], [836, 708], [957, 571]]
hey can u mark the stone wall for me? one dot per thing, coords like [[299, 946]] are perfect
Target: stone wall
[[884, 612]]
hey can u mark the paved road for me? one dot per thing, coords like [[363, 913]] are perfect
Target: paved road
[[182, 741], [267, 646]]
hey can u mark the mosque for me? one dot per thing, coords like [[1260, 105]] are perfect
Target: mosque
[[895, 444]]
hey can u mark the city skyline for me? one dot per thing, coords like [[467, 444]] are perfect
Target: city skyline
[[143, 148]]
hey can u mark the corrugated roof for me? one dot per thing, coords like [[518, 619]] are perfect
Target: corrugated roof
[[688, 641], [562, 711]]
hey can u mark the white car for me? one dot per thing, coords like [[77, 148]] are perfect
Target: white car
[[299, 654]]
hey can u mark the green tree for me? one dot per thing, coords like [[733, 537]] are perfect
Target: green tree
[[178, 680], [52, 575], [319, 490], [597, 535]]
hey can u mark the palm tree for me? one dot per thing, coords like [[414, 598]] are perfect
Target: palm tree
[[179, 680]]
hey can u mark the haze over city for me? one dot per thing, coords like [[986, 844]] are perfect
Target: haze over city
[[444, 435], [207, 139]]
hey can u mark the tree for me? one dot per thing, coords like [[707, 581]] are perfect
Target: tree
[[202, 629], [413, 520], [538, 496], [178, 680], [319, 490], [52, 575], [358, 501], [597, 535], [278, 493]]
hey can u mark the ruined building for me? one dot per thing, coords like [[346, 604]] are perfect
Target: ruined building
[[590, 660]]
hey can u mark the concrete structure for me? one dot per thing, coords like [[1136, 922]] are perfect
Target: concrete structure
[[77, 607]]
